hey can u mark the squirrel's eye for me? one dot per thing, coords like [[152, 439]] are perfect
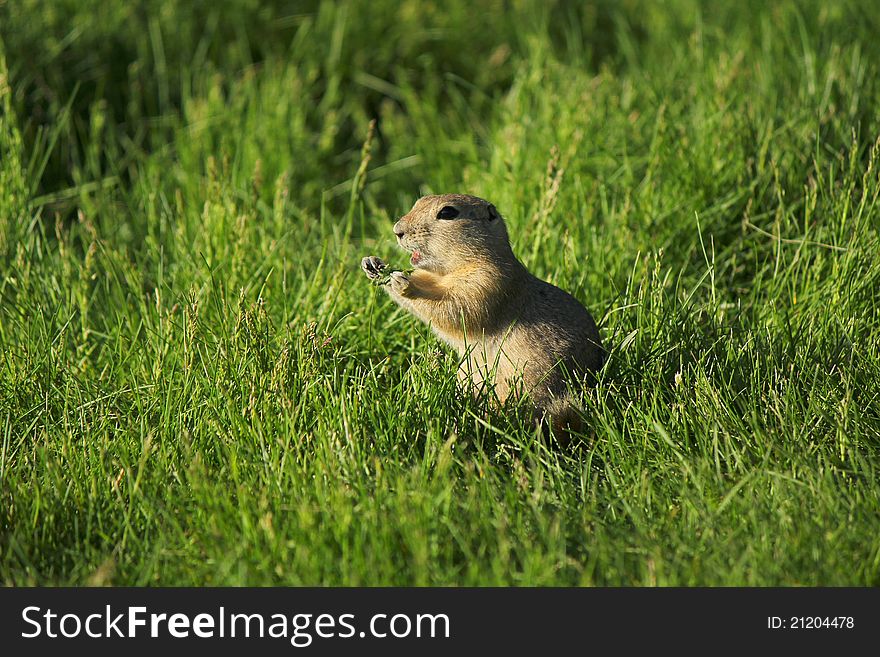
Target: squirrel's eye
[[447, 212]]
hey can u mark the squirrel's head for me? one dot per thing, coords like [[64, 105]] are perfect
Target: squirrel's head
[[448, 230]]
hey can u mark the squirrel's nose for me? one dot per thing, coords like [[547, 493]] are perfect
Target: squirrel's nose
[[398, 230]]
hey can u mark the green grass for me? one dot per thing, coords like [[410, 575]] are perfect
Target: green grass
[[198, 385]]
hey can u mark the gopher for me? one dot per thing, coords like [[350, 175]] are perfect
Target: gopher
[[511, 330]]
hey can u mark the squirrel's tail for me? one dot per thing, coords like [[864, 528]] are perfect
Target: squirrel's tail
[[564, 417]]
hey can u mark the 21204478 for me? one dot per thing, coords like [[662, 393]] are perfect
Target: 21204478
[[810, 623]]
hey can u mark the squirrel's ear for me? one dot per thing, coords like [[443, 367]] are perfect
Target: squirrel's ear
[[493, 213]]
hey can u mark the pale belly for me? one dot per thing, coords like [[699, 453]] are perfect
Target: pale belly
[[502, 362]]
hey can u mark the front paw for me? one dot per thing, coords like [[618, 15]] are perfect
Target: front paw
[[399, 282], [373, 267]]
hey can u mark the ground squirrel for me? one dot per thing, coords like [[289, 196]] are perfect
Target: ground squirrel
[[509, 327]]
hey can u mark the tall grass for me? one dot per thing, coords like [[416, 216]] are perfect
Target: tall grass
[[197, 385]]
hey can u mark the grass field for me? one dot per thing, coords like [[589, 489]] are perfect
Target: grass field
[[198, 385]]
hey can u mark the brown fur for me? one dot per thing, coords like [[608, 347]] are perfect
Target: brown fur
[[507, 325]]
